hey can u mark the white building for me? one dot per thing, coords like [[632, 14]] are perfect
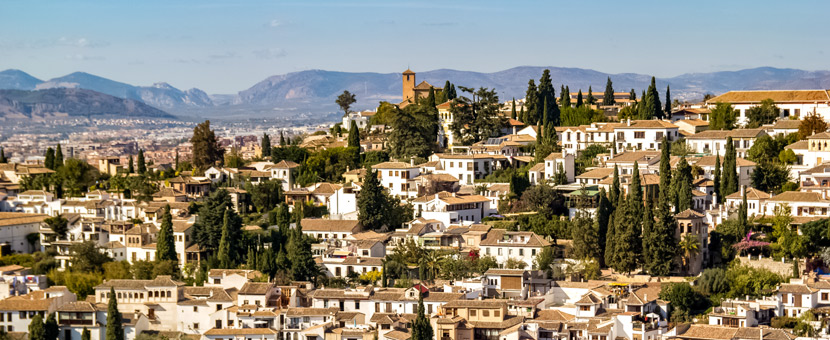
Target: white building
[[644, 134], [563, 160], [516, 245], [398, 177], [712, 142], [15, 228], [450, 208], [467, 168], [792, 103]]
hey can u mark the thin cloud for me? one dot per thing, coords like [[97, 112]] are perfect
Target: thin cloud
[[81, 42], [274, 23], [83, 57], [226, 55], [270, 53]]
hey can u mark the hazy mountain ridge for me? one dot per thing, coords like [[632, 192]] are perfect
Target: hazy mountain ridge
[[69, 102], [314, 91]]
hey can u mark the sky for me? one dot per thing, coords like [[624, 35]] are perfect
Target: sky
[[228, 46]]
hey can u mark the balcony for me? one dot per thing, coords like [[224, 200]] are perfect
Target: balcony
[[65, 322]]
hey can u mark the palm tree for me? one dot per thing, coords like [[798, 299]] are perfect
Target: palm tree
[[432, 265], [690, 245]]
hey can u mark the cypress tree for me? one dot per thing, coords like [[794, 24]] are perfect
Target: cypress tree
[[431, 97], [603, 214], [3, 156], [590, 100], [444, 91], [627, 241], [513, 110], [655, 106], [282, 139], [660, 242], [635, 193], [165, 245], [717, 179], [421, 327], [85, 334], [729, 184], [531, 102], [177, 160], [383, 274], [668, 102], [562, 95], [579, 98], [523, 116], [223, 253], [266, 146], [50, 328], [452, 94], [567, 97], [683, 189], [547, 96], [36, 330], [130, 167], [742, 215], [115, 330], [354, 136], [250, 260], [58, 157], [645, 110], [665, 169], [610, 238], [142, 167], [615, 187], [632, 95], [648, 233], [608, 96], [49, 160]]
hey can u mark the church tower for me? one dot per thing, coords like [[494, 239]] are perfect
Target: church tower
[[408, 85]]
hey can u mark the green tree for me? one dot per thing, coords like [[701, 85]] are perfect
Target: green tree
[[544, 260], [206, 148], [165, 245], [729, 184], [88, 257], [610, 238], [667, 110], [59, 225], [354, 136], [590, 100], [689, 246], [659, 242], [130, 166], [656, 107], [376, 209], [547, 97], [49, 160], [421, 327], [565, 99], [632, 96], [770, 177], [345, 101], [628, 231], [266, 146], [682, 186], [115, 330], [50, 328], [585, 236], [766, 113], [58, 157], [85, 334], [615, 193], [36, 330], [602, 219], [414, 130], [303, 267], [224, 253], [717, 179], [722, 117], [579, 101], [142, 166], [811, 124], [608, 97], [531, 100], [475, 119], [513, 110], [282, 139]]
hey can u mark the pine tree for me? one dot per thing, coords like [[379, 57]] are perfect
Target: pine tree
[[608, 97], [717, 179], [115, 330], [85, 334], [224, 252], [130, 167], [49, 160], [513, 110], [590, 100], [36, 330], [667, 110], [142, 167], [58, 157], [50, 328], [579, 98], [729, 184], [165, 245], [266, 146], [354, 136]]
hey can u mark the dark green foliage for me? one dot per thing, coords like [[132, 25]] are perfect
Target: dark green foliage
[[581, 115], [374, 157], [632, 95], [115, 330], [207, 231], [565, 98], [590, 100], [330, 164], [142, 165], [770, 177], [610, 238], [475, 119], [165, 245], [292, 153], [3, 158], [49, 160], [513, 110], [206, 148], [130, 166], [587, 157], [266, 195], [345, 101], [85, 334], [303, 267], [635, 193], [88, 257], [717, 179], [58, 157], [722, 117], [266, 146], [608, 96], [682, 186], [579, 98], [223, 254], [376, 209], [667, 110], [628, 230], [685, 301], [58, 224], [547, 97], [602, 217], [766, 113], [615, 193], [811, 124], [354, 136], [414, 130], [282, 139], [36, 330], [766, 149], [421, 327], [50, 328], [729, 184], [585, 236]]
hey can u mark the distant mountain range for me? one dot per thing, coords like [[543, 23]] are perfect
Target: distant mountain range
[[52, 103], [313, 92]]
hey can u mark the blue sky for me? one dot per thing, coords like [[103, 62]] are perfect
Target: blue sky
[[227, 46]]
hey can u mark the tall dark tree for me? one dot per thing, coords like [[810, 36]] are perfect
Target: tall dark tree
[[682, 186], [632, 96], [513, 110], [354, 136], [206, 148], [635, 193], [610, 239], [421, 327], [659, 245], [547, 97], [608, 97], [303, 267], [523, 116], [85, 334], [58, 157], [717, 179], [811, 124], [476, 119], [266, 146], [567, 97], [601, 221], [647, 233], [50, 328], [590, 99], [142, 165], [615, 193], [372, 203], [579, 98], [177, 160], [445, 91], [36, 330], [722, 117], [655, 100], [130, 166], [282, 139], [766, 113], [627, 241], [49, 160], [165, 245], [730, 171], [667, 110], [3, 158], [742, 214], [531, 102], [115, 330], [345, 101]]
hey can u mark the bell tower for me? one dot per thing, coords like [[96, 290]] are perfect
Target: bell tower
[[408, 79]]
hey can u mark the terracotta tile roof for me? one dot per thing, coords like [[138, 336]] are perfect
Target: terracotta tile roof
[[394, 165], [751, 194], [632, 156], [255, 288], [304, 311], [798, 196], [283, 164], [495, 235], [648, 124], [326, 189], [160, 281], [507, 323], [710, 161], [398, 335], [821, 135], [476, 304], [723, 134], [15, 218], [319, 224], [363, 261], [246, 273], [241, 331], [28, 302], [779, 96], [799, 145], [553, 315], [788, 124], [505, 272], [688, 213], [693, 122], [599, 173]]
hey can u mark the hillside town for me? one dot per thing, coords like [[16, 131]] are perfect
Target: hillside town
[[570, 214]]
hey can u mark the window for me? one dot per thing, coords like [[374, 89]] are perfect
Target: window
[[357, 305], [219, 307], [485, 313], [497, 313], [499, 251], [585, 308], [22, 315], [473, 312], [10, 328], [195, 309], [639, 134], [533, 252], [218, 323], [306, 319], [521, 252], [195, 325]]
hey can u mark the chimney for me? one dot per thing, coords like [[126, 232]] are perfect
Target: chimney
[[564, 153], [743, 190], [628, 122], [412, 161]]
